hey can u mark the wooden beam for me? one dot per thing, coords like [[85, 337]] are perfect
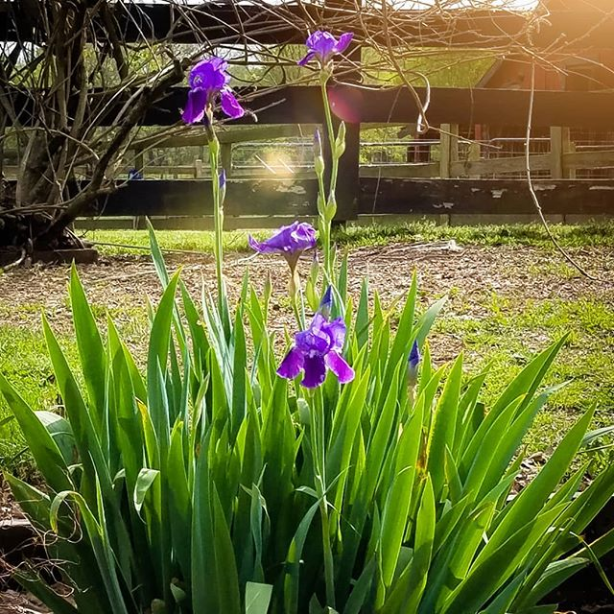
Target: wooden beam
[[285, 23], [195, 136], [193, 197], [448, 154], [588, 159], [303, 105], [496, 166], [401, 171]]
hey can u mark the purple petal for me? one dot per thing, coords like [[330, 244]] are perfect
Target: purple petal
[[315, 371], [322, 43], [304, 61], [292, 364], [292, 239], [210, 75], [195, 106], [255, 245], [313, 39], [303, 235], [336, 363], [343, 43], [319, 323], [230, 105], [218, 63], [336, 329], [313, 340]]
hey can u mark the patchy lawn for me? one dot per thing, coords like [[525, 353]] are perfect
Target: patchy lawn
[[510, 295], [533, 235]]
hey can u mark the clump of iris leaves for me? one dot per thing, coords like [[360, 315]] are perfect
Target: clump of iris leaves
[[214, 485]]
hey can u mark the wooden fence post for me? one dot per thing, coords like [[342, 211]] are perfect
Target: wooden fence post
[[473, 155], [198, 169], [449, 149], [560, 144]]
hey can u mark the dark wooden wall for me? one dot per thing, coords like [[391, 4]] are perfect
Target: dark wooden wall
[[275, 197]]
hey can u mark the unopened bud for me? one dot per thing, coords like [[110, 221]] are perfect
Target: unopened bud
[[331, 208], [318, 158], [326, 304], [317, 143], [340, 140], [413, 363], [222, 185], [321, 205]]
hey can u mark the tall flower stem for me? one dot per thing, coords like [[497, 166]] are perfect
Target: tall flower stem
[[218, 217], [334, 173], [327, 203], [294, 290]]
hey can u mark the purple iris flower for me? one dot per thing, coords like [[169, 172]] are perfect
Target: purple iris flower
[[315, 350], [208, 80], [323, 46], [289, 241]]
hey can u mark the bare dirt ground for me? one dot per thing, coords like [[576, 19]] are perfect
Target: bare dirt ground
[[470, 275]]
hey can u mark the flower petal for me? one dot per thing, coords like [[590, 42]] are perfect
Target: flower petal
[[336, 363], [304, 61], [292, 364], [288, 240], [230, 105], [315, 339], [323, 43], [257, 247], [195, 106], [315, 371], [210, 75], [336, 329], [343, 43]]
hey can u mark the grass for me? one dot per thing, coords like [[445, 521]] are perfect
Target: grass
[[513, 331], [352, 236], [24, 362]]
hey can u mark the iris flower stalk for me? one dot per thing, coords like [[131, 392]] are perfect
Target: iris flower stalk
[[322, 47], [208, 83]]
